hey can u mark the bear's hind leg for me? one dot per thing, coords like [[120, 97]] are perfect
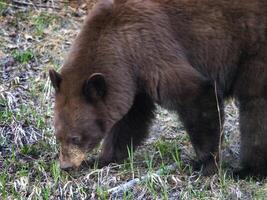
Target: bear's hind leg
[[253, 127], [202, 121], [251, 91], [129, 132]]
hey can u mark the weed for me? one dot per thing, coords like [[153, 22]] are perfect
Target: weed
[[23, 56], [3, 6], [46, 193], [149, 160], [55, 171], [177, 158], [42, 21], [131, 158], [128, 195], [101, 193], [5, 113], [30, 150], [3, 182]]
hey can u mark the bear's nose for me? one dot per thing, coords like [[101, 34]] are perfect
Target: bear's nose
[[65, 165]]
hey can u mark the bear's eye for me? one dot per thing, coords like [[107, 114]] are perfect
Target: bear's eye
[[76, 140]]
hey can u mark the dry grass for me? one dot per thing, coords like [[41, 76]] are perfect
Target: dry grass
[[34, 39]]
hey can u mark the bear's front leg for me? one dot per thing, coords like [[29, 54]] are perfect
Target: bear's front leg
[[128, 133], [203, 122]]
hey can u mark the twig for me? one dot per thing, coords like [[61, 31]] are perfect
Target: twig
[[130, 184], [220, 123]]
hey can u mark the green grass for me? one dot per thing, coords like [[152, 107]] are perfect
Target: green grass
[[3, 6], [131, 159], [55, 171], [3, 183], [42, 21], [23, 56], [101, 193], [5, 114], [46, 193]]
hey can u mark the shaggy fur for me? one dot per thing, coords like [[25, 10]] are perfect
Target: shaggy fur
[[131, 54]]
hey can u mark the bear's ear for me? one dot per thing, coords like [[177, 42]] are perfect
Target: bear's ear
[[95, 87], [55, 79]]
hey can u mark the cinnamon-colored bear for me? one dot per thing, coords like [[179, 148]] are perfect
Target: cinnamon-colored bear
[[188, 56]]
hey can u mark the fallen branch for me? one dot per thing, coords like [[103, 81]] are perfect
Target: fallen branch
[[119, 190]]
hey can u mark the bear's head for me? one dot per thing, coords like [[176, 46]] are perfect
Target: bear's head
[[86, 108], [80, 116]]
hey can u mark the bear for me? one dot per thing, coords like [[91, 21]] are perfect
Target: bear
[[187, 56]]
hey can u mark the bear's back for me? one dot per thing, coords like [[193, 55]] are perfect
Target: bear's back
[[212, 35]]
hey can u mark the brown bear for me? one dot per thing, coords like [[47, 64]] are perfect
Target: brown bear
[[188, 56]]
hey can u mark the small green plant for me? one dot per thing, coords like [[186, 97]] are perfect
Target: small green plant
[[102, 193], [177, 158], [128, 195], [5, 113], [157, 187], [3, 6], [23, 56], [162, 147], [149, 160], [3, 182], [30, 150], [222, 179], [46, 192], [13, 154], [23, 171], [55, 171], [42, 21], [131, 158]]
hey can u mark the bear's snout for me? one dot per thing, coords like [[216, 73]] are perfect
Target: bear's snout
[[71, 157], [65, 165]]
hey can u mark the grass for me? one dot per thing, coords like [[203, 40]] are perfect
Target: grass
[[42, 21], [23, 56], [3, 7], [28, 149]]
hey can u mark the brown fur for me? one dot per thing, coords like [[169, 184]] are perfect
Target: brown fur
[[170, 52]]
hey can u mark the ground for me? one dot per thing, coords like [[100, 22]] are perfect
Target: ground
[[34, 38]]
